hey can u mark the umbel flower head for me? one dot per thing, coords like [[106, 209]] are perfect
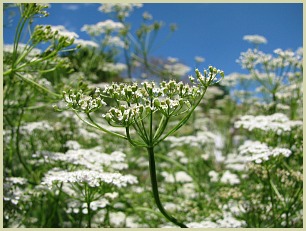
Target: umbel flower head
[[136, 104]]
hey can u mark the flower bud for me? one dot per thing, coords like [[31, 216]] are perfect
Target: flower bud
[[156, 103]]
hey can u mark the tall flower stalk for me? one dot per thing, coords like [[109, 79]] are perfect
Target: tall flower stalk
[[146, 109]]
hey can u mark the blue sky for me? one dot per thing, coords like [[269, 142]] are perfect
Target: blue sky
[[213, 31]]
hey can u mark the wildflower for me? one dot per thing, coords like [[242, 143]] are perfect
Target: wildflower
[[179, 176], [32, 126], [16, 180], [78, 100], [104, 27], [90, 177], [214, 176], [123, 10], [229, 178], [90, 158], [72, 144], [136, 107], [259, 152], [117, 219], [113, 41], [277, 123]]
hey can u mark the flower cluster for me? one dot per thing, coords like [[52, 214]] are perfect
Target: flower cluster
[[46, 33], [252, 58], [90, 158], [76, 206], [104, 27], [277, 123], [259, 152], [30, 10], [136, 102], [30, 127], [200, 139], [123, 10], [113, 41], [90, 177], [78, 100]]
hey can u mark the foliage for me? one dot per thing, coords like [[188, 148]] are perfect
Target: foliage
[[227, 155]]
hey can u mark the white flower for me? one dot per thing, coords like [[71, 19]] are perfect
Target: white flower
[[101, 203], [201, 138], [188, 190], [102, 27], [171, 207], [203, 224], [131, 222], [259, 152], [114, 41], [90, 158], [122, 9], [92, 178], [229, 221], [16, 180], [214, 176], [229, 178], [32, 126], [278, 123], [72, 144], [256, 39], [180, 176], [117, 219]]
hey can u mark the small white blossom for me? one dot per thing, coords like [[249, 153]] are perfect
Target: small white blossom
[[32, 126], [259, 152], [92, 178], [102, 27], [214, 176], [122, 9], [229, 178], [278, 123], [117, 219]]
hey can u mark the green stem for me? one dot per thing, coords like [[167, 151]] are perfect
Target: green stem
[[38, 85], [103, 129], [18, 137], [133, 142], [155, 189], [182, 121]]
